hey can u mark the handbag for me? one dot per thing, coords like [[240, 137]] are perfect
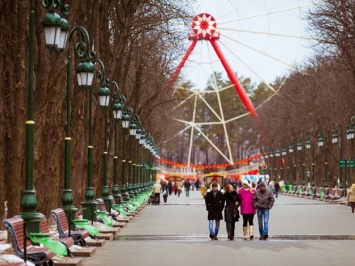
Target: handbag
[[164, 192], [235, 213]]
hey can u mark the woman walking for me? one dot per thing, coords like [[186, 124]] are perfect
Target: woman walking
[[351, 197], [165, 190], [231, 213], [247, 209]]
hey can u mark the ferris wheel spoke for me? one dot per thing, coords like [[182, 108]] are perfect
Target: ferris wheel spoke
[[237, 117], [258, 51], [214, 146], [234, 9], [269, 34], [209, 107], [266, 13], [185, 100], [192, 132], [251, 69]]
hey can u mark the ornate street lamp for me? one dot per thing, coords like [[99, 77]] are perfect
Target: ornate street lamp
[[119, 102], [350, 137], [300, 148], [277, 155], [136, 163], [290, 150], [132, 133], [338, 139], [28, 200], [104, 98], [84, 54], [142, 163], [125, 126], [283, 153], [271, 154], [309, 145], [321, 143]]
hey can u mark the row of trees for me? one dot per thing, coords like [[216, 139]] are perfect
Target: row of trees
[[138, 46]]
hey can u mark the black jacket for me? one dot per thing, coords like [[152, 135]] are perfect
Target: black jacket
[[214, 205], [231, 212]]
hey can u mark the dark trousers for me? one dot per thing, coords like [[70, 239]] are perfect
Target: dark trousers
[[165, 197], [230, 229], [248, 218], [157, 198], [352, 204]]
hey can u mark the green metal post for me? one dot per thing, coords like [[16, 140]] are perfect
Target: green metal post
[[105, 190], [313, 181], [67, 197], [130, 178], [28, 201], [115, 189], [89, 204], [125, 194]]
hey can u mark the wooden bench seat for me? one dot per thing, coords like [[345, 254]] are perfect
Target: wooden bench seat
[[63, 228], [36, 255], [102, 207], [331, 192], [67, 241], [338, 194]]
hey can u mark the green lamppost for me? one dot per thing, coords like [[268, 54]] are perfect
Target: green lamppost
[[335, 139], [271, 154], [132, 133], [104, 98], [309, 144], [321, 143], [300, 148], [82, 51], [119, 102], [142, 163], [284, 153], [277, 156], [101, 78], [266, 158], [350, 137], [291, 149], [125, 126], [55, 29], [137, 166]]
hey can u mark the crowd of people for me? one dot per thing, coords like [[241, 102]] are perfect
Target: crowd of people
[[166, 188], [236, 199], [249, 200]]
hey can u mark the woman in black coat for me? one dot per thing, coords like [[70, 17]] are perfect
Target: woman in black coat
[[231, 212]]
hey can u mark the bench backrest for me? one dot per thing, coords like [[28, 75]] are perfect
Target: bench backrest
[[112, 199], [332, 191], [101, 204], [340, 192], [15, 226], [62, 223]]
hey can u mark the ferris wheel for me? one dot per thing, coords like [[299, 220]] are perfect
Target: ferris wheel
[[260, 39]]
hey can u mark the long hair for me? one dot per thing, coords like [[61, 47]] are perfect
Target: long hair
[[226, 188]]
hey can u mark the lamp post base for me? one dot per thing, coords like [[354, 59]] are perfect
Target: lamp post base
[[88, 210]]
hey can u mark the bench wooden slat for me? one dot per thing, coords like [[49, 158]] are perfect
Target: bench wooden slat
[[63, 228], [38, 256]]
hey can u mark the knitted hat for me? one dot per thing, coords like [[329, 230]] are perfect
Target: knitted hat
[[246, 182], [353, 186], [262, 183]]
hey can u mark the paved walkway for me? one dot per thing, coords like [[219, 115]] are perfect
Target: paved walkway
[[302, 231]]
